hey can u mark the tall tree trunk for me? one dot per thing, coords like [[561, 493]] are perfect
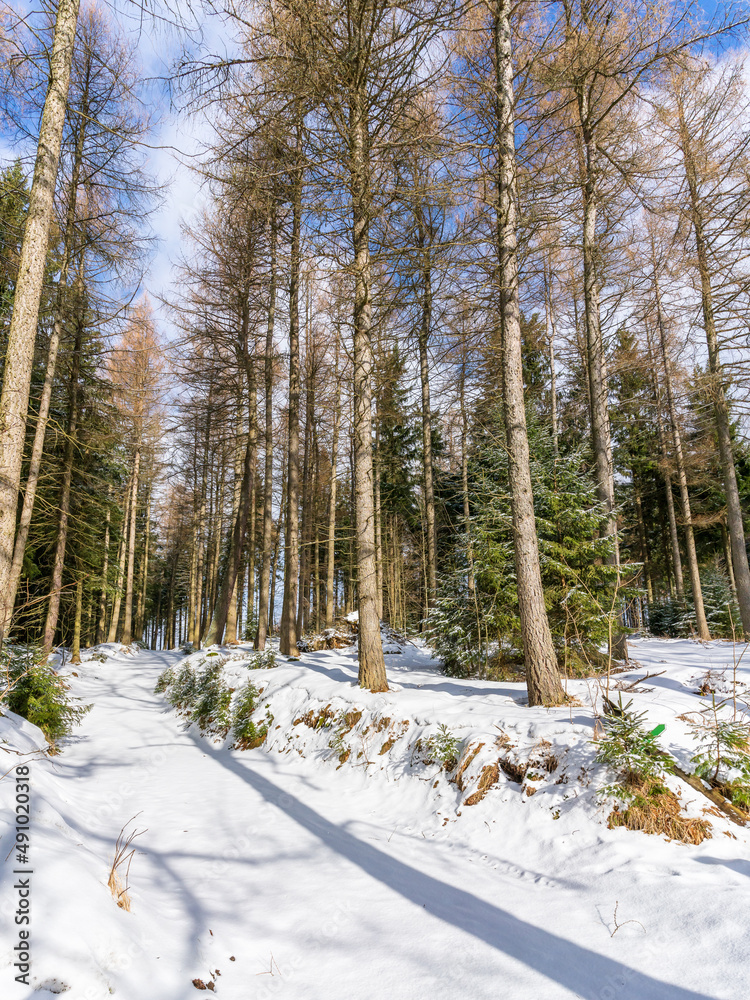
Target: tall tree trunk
[[265, 566], [549, 318], [198, 623], [100, 625], [315, 540], [156, 621], [76, 650], [53, 611], [303, 611], [274, 570], [371, 663], [170, 629], [687, 517], [331, 544], [600, 429], [215, 630], [288, 633], [542, 676], [19, 355], [127, 628], [728, 558], [253, 506], [663, 451], [193, 586], [601, 439], [120, 575], [423, 338], [378, 523], [37, 450], [717, 385], [465, 481], [141, 612], [643, 544], [231, 637]]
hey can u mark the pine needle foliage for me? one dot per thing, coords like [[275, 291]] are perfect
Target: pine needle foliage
[[723, 756], [629, 748], [33, 690], [248, 734], [478, 634], [676, 619]]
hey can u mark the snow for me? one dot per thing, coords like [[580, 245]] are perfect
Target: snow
[[370, 877]]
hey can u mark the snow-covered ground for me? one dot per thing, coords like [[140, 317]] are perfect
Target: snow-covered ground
[[301, 871]]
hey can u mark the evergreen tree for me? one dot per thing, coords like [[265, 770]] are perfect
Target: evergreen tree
[[480, 633]]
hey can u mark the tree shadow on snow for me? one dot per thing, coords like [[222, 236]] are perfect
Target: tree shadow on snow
[[589, 975], [736, 864]]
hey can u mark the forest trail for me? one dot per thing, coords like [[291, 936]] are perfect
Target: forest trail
[[298, 881]]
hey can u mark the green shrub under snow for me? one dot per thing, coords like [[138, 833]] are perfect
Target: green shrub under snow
[[210, 710], [199, 692], [31, 688], [629, 748], [723, 756], [441, 748], [247, 734], [262, 660]]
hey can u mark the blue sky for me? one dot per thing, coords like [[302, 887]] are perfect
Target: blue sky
[[177, 134]]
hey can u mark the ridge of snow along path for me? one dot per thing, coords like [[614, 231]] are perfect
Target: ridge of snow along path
[[275, 872]]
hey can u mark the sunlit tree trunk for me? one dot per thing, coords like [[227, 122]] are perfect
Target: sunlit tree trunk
[[120, 573], [266, 544], [141, 612], [331, 543], [288, 632], [717, 383], [542, 676], [371, 663], [19, 355], [76, 650], [687, 517], [127, 627], [37, 449]]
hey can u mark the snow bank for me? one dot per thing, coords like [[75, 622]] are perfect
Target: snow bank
[[437, 841]]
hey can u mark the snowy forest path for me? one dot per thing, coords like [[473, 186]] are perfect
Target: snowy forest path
[[296, 881]]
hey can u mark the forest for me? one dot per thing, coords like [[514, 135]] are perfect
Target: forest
[[457, 336], [374, 498]]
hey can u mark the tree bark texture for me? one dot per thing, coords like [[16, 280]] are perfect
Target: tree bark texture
[[14, 399], [288, 632], [371, 663], [542, 676], [717, 385]]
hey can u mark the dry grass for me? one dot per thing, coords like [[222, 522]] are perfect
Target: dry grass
[[469, 755], [487, 779], [350, 720], [317, 720], [513, 769], [118, 890], [654, 808], [117, 883]]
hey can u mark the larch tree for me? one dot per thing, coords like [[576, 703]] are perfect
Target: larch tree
[[487, 86], [14, 398], [705, 114]]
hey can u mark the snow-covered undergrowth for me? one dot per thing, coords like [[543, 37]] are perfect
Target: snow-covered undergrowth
[[441, 840], [441, 733]]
